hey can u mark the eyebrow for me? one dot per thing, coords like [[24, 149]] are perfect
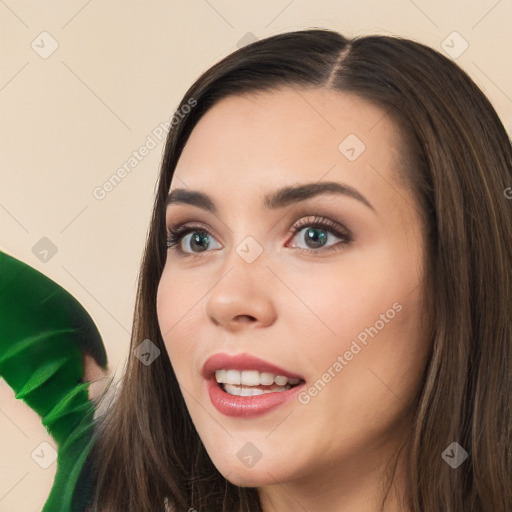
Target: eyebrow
[[275, 200]]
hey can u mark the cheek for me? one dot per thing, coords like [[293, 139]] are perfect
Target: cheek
[[368, 307], [163, 309], [338, 301], [369, 369], [174, 300], [177, 308]]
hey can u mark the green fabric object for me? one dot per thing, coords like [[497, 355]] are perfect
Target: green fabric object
[[44, 333]]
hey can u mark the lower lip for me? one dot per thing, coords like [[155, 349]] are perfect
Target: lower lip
[[248, 406]]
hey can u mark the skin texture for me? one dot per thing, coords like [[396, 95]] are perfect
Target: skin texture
[[300, 310]]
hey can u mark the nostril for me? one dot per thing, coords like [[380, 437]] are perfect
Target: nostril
[[245, 318]]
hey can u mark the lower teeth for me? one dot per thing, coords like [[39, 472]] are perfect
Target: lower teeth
[[234, 389]]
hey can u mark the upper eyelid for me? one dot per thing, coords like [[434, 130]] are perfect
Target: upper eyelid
[[303, 219], [297, 226], [298, 211]]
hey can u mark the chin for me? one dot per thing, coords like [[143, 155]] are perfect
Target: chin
[[248, 477], [244, 480]]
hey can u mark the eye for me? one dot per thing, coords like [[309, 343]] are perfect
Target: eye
[[179, 236], [316, 234]]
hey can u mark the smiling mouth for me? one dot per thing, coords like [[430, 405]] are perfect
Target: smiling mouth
[[253, 382]]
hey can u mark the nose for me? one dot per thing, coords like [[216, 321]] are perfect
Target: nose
[[242, 298]]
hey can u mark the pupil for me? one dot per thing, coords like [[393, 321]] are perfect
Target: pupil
[[315, 235], [200, 238]]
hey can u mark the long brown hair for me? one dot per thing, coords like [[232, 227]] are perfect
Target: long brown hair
[[457, 162]]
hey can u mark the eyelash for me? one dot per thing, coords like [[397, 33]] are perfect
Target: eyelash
[[175, 235]]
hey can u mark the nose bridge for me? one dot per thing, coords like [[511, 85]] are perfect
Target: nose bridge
[[245, 266], [246, 242], [242, 291]]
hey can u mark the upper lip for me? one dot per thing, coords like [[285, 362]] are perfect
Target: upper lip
[[223, 361]]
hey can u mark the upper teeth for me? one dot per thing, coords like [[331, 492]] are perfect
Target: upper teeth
[[252, 378]]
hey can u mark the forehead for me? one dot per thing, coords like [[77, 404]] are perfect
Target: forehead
[[263, 140]]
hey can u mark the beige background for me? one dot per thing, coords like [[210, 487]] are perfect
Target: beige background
[[70, 120]]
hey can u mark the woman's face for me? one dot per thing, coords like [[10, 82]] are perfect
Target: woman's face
[[337, 305]]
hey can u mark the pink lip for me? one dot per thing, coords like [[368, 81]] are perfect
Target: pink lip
[[248, 406], [242, 362], [245, 406]]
